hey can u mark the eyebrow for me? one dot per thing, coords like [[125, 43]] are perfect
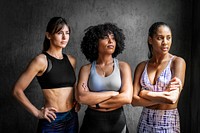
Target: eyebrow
[[161, 35]]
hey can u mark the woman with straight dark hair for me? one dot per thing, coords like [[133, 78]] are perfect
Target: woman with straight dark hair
[[158, 83], [54, 71]]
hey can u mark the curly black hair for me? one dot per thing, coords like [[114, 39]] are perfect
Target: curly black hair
[[89, 44]]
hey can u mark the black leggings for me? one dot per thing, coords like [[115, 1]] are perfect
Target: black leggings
[[104, 122]]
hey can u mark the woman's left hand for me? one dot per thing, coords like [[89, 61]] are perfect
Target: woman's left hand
[[174, 83]]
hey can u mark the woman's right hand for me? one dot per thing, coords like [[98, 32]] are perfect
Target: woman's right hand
[[47, 113]]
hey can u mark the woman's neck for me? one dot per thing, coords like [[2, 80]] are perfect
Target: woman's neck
[[105, 60], [57, 53], [158, 59]]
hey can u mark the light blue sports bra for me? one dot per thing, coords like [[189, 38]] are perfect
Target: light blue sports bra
[[97, 83]]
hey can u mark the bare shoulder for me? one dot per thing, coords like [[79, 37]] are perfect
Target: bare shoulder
[[40, 60], [123, 64], [37, 65], [40, 63], [178, 61], [138, 71], [84, 71], [86, 67], [141, 65]]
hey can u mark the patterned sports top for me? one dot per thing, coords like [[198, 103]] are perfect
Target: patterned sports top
[[97, 83], [161, 82]]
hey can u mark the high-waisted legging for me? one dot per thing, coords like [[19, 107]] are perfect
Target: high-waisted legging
[[104, 122], [66, 122], [159, 121]]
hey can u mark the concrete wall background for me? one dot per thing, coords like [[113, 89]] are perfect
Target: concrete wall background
[[23, 25]]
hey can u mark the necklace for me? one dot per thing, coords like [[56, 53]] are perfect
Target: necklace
[[106, 66], [104, 73]]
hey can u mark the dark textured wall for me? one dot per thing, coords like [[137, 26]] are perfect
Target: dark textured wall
[[23, 24]]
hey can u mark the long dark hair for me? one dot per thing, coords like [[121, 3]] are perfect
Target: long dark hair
[[54, 25], [152, 31]]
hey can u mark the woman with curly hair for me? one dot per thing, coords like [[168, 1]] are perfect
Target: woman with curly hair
[[105, 85]]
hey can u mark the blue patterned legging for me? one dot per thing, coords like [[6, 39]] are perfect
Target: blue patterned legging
[[66, 122]]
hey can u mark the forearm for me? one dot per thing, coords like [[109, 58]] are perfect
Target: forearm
[[153, 96], [139, 101], [92, 98], [160, 97], [116, 101], [20, 96]]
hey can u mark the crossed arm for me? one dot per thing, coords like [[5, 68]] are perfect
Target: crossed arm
[[170, 96], [137, 99], [107, 99]]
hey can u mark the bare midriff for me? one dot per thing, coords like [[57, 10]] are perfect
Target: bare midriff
[[59, 98], [163, 106]]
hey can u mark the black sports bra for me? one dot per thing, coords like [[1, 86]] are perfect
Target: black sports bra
[[59, 73]]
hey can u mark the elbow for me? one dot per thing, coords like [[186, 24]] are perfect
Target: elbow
[[171, 100], [128, 101], [128, 98], [80, 99], [134, 101], [15, 93]]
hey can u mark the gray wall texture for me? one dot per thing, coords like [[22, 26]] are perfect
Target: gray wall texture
[[23, 25]]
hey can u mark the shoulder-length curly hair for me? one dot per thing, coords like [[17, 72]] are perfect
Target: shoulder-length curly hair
[[90, 42]]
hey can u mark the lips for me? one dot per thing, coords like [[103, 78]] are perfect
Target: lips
[[164, 48], [64, 42], [110, 46]]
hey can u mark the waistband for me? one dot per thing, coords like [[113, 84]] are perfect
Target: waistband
[[102, 113], [154, 112]]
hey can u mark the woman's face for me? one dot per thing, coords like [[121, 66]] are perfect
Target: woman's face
[[107, 45], [161, 41], [61, 38]]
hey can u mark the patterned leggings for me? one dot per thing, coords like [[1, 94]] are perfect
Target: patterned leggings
[[66, 122], [159, 121]]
